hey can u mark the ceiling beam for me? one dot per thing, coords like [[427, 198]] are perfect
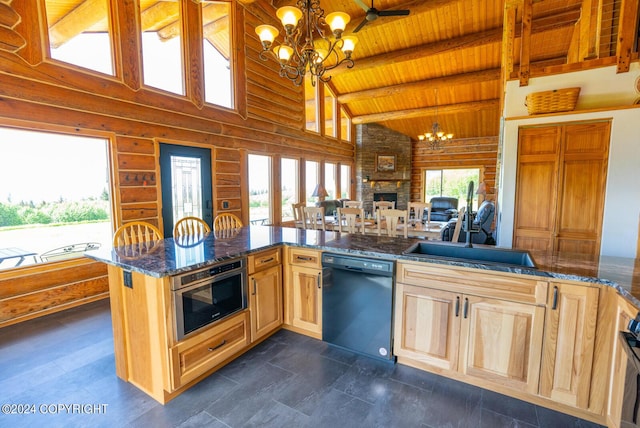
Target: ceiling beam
[[422, 85], [426, 111], [542, 24]]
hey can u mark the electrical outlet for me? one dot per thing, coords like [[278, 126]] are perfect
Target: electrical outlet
[[225, 205]]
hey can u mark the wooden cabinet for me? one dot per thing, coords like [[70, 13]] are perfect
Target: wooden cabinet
[[569, 341], [447, 321], [265, 292], [303, 300], [560, 187]]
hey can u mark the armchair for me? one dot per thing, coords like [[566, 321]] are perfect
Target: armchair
[[443, 208]]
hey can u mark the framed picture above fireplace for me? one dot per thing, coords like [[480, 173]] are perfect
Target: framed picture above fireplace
[[385, 163]]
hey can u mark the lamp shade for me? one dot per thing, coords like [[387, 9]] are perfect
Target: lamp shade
[[320, 191]]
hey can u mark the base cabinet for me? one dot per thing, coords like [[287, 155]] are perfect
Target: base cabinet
[[304, 292], [489, 339], [265, 292], [569, 341]]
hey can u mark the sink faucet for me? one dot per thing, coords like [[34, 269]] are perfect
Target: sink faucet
[[469, 218]]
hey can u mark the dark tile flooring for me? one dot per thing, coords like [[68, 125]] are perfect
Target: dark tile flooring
[[290, 380]]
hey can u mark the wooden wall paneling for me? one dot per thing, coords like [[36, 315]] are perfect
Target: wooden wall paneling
[[33, 52], [227, 181]]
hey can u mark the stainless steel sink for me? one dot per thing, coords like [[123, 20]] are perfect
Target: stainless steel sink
[[501, 256]]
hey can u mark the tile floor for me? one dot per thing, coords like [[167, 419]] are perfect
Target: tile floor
[[290, 380]]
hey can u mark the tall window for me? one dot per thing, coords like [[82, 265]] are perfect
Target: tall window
[[288, 186], [451, 182], [345, 181], [330, 183], [345, 125], [259, 189], [329, 113], [52, 205], [310, 104], [87, 45], [312, 178], [161, 45], [218, 68]]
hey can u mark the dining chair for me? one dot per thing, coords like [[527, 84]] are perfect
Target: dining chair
[[389, 222], [313, 218], [348, 219], [190, 226], [456, 230], [298, 215], [136, 232], [418, 210], [226, 221], [352, 204], [383, 205]]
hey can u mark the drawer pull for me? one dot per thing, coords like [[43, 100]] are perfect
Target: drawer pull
[[554, 306], [254, 286], [224, 342], [457, 306], [466, 307], [319, 276], [270, 259], [305, 259]]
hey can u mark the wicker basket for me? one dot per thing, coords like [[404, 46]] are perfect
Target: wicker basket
[[552, 101]]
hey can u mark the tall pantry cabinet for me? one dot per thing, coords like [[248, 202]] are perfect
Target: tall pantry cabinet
[[560, 187]]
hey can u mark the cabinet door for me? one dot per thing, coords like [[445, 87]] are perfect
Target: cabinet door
[[306, 288], [427, 326], [568, 344], [502, 342], [265, 292]]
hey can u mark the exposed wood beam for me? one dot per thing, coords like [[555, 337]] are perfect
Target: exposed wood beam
[[525, 41], [508, 41], [423, 85], [627, 32], [543, 24], [87, 14], [425, 111]]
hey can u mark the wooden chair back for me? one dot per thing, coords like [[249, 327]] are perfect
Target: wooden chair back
[[389, 222], [348, 220], [352, 204], [456, 230], [226, 221], [383, 205], [418, 210], [298, 215], [313, 218], [190, 226], [136, 232]]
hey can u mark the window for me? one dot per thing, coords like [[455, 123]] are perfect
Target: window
[[259, 189], [218, 70], [52, 205], [330, 171], [451, 182], [345, 181], [345, 125], [162, 46], [310, 104], [288, 186], [329, 113], [312, 178], [88, 45]]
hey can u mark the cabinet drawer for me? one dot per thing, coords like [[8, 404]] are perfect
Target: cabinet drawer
[[263, 260], [305, 257], [196, 355], [461, 280]]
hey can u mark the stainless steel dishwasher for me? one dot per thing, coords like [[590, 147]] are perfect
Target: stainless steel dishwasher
[[357, 302]]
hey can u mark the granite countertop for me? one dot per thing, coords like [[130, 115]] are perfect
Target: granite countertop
[[171, 257]]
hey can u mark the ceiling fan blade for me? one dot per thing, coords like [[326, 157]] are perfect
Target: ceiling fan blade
[[362, 5], [393, 13], [362, 24]]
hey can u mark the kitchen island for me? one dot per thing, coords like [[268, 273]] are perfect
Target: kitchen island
[[598, 294]]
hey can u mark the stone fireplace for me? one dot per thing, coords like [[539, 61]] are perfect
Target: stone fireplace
[[373, 140]]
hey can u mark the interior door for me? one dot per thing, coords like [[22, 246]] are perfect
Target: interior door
[[186, 184]]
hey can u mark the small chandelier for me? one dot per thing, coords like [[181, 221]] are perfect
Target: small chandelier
[[305, 47], [437, 136]]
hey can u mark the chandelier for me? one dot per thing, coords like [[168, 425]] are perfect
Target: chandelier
[[306, 48], [437, 136]]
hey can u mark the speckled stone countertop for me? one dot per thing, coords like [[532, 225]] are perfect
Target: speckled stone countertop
[[171, 257]]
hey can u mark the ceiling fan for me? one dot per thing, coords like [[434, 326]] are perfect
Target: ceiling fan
[[373, 13]]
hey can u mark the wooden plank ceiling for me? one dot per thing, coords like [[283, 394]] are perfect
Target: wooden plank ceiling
[[449, 50]]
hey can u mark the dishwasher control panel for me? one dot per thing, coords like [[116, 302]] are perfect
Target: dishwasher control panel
[[357, 263]]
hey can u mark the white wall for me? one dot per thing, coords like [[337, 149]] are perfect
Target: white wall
[[600, 88]]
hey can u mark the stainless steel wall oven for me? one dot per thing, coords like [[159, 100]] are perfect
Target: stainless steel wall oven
[[207, 295]]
